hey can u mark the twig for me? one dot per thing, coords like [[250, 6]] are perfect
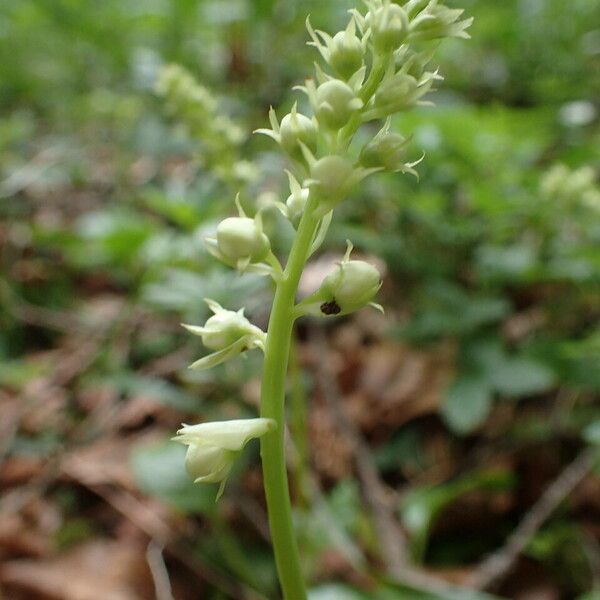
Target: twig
[[158, 569], [499, 564]]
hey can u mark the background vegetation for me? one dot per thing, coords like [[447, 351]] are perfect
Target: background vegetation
[[447, 419]]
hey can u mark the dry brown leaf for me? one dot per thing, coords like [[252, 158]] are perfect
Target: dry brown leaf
[[18, 538], [106, 461], [99, 569]]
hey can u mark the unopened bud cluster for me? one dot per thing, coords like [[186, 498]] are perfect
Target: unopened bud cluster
[[196, 108], [372, 71], [571, 187]]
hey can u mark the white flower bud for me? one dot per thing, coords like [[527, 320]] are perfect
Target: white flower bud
[[240, 238], [389, 26], [228, 333], [213, 447], [296, 127], [344, 51], [437, 21], [349, 287], [352, 285], [335, 103], [331, 176], [387, 150], [345, 54], [400, 91], [241, 243], [224, 328], [297, 200]]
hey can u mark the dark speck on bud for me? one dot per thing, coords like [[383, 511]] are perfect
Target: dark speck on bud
[[330, 308]]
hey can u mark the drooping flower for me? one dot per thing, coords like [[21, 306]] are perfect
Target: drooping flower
[[213, 447]]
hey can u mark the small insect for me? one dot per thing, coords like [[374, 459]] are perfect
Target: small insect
[[330, 308]]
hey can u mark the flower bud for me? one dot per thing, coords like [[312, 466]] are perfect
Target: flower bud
[[401, 91], [227, 333], [349, 287], [345, 54], [296, 127], [352, 285], [183, 92], [389, 26], [240, 237], [213, 447], [385, 151], [344, 51], [224, 328], [437, 21], [295, 130], [297, 200], [331, 176], [335, 104]]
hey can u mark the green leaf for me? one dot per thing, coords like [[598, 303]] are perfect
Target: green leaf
[[422, 506], [467, 403], [521, 376], [505, 263], [510, 375], [591, 434], [159, 471]]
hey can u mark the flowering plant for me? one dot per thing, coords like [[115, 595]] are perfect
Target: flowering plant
[[375, 67]]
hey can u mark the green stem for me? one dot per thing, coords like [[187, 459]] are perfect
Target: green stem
[[272, 448], [298, 425]]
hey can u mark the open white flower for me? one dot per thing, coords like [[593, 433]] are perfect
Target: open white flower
[[213, 447]]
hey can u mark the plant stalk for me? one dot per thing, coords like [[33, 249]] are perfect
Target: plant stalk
[[272, 446]]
